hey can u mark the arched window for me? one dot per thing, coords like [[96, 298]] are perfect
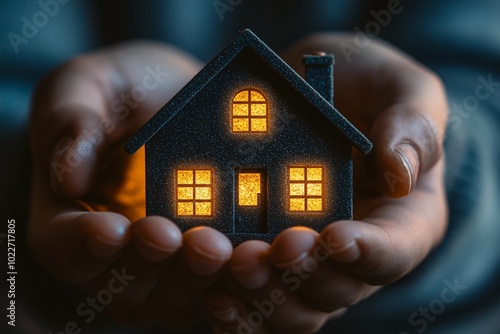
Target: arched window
[[249, 112]]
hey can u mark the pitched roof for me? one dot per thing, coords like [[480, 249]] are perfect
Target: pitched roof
[[246, 39]]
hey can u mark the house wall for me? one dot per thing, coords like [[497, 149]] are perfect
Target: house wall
[[200, 136]]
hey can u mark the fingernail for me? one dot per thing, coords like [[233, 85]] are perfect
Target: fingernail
[[56, 175], [202, 263], [410, 160], [252, 275], [224, 314], [347, 253], [289, 263], [103, 249]]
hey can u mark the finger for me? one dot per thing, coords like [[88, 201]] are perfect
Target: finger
[[396, 102], [176, 298], [78, 246], [406, 143], [88, 104], [249, 264], [307, 266], [156, 240], [394, 238]]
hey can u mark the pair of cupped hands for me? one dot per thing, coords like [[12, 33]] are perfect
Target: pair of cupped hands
[[87, 210]]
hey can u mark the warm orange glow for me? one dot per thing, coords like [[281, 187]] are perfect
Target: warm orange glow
[[249, 188], [258, 125], [240, 124], [194, 189], [241, 96], [203, 177], [256, 96], [184, 177], [296, 174], [305, 189], [249, 112], [297, 204]]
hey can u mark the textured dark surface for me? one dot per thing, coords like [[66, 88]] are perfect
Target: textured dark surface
[[247, 40], [193, 130]]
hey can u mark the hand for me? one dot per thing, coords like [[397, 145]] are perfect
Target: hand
[[88, 200], [305, 278]]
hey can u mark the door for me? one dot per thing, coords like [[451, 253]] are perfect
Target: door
[[250, 200]]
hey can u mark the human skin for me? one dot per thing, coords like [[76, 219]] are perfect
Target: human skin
[[82, 226], [399, 201]]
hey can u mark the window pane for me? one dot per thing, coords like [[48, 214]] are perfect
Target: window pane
[[314, 189], [249, 188], [296, 174], [184, 177], [257, 109], [256, 96], [297, 189], [240, 109], [241, 96], [203, 193], [240, 124], [297, 204], [185, 193], [315, 174], [185, 208], [203, 177], [258, 124], [314, 204], [203, 208]]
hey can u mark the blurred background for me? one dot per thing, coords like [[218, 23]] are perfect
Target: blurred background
[[458, 39]]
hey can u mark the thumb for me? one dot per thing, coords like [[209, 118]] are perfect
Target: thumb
[[406, 143], [77, 158]]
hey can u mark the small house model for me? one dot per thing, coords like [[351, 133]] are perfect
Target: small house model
[[250, 148]]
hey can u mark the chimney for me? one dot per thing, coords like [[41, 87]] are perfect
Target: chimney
[[319, 73]]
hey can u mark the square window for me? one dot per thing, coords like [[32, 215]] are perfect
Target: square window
[[203, 193], [258, 124], [203, 208], [203, 177], [184, 177], [296, 174], [314, 189], [240, 124], [297, 204], [297, 189], [314, 204], [315, 174], [185, 193], [185, 208]]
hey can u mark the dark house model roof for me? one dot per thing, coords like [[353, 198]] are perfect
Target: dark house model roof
[[247, 39]]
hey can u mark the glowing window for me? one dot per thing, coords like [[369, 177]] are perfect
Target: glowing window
[[249, 188], [194, 192], [306, 189], [249, 112]]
